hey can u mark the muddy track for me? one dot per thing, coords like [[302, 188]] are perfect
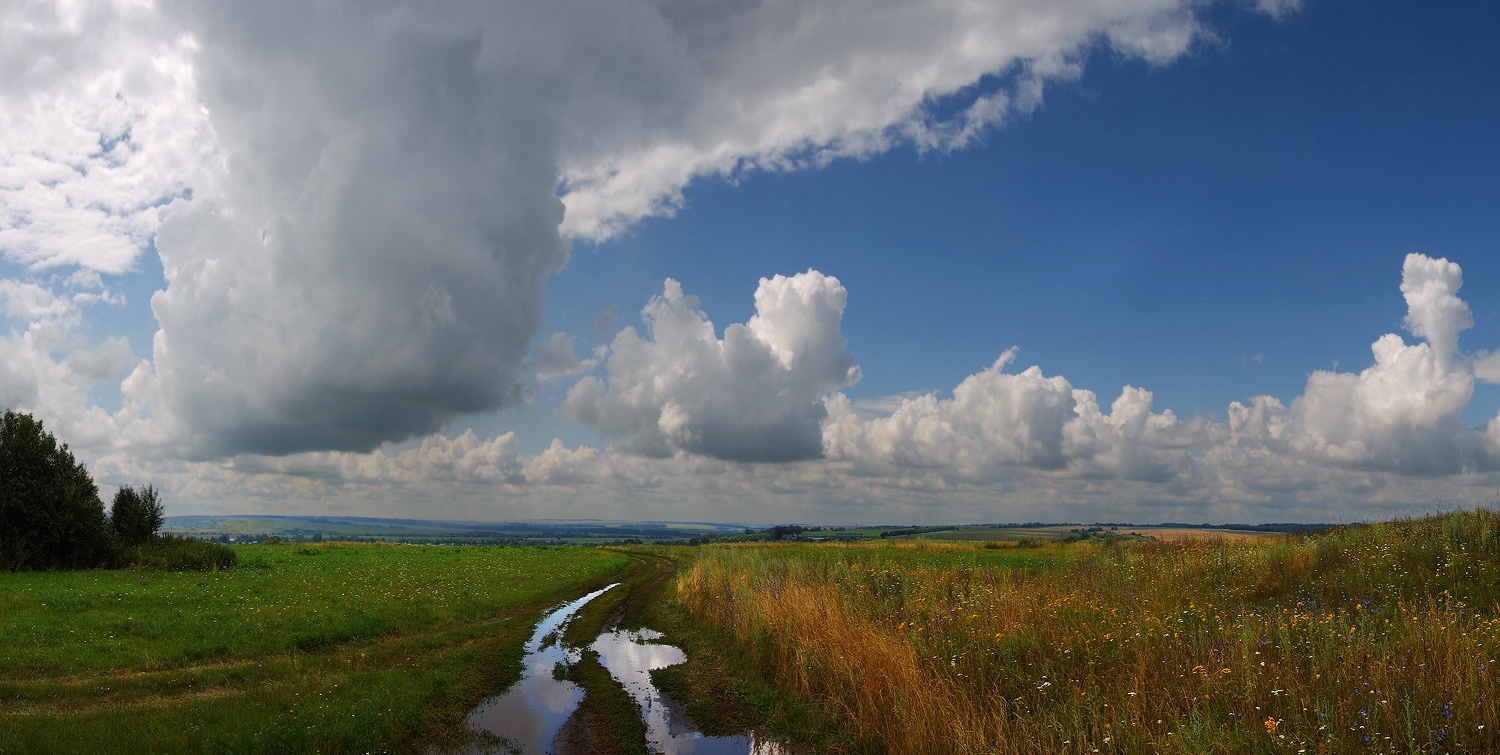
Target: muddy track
[[642, 592], [607, 722]]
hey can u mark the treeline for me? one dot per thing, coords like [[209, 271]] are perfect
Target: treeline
[[914, 530], [51, 516]]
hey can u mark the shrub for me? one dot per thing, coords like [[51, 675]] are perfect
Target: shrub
[[169, 553]]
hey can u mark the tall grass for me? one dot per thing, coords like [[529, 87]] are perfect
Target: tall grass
[[1379, 637]]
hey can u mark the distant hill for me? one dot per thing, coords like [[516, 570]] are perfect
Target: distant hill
[[243, 528]]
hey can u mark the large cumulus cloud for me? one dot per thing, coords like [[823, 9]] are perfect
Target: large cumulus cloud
[[755, 395], [1399, 415], [371, 263]]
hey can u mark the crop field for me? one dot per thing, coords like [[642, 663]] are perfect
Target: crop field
[[1372, 638], [334, 648]]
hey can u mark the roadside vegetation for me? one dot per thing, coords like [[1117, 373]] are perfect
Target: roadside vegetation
[[1378, 637], [332, 648]]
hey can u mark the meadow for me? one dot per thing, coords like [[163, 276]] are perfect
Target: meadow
[[331, 648], [1371, 638]]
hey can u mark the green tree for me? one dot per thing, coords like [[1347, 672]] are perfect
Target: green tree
[[50, 512], [136, 514]]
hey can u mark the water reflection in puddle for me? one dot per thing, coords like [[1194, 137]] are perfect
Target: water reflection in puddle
[[528, 716], [630, 657]]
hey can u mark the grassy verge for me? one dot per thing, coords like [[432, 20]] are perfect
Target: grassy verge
[[721, 688], [334, 649]]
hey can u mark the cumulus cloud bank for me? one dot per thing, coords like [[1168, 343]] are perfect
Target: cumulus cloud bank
[[997, 422], [1399, 416], [755, 395], [705, 426]]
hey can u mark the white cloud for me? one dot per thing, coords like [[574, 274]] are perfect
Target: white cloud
[[26, 301], [1386, 440], [555, 357], [1487, 366], [1434, 311], [47, 365], [1278, 8], [370, 265], [466, 458], [1017, 446], [729, 88], [755, 395], [997, 423], [1398, 417], [100, 127]]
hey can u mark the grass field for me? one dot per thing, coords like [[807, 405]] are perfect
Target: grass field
[[299, 648], [1378, 638], [1374, 638]]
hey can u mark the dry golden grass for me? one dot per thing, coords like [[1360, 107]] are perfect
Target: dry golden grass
[[1377, 638], [1182, 534]]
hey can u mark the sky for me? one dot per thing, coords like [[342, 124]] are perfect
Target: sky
[[821, 261]]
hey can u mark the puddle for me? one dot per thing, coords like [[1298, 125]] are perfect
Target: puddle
[[630, 657], [527, 717]]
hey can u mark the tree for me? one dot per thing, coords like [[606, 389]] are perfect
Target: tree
[[50, 512], [135, 515]]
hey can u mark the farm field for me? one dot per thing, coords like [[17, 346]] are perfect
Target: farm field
[[334, 648], [1373, 638]]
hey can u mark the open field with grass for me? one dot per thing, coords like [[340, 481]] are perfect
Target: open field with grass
[[1377, 638], [333, 648], [1373, 638]]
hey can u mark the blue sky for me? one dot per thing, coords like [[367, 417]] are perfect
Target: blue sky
[[1152, 226], [1210, 202]]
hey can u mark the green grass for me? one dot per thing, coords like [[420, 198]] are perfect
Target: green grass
[[299, 648]]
